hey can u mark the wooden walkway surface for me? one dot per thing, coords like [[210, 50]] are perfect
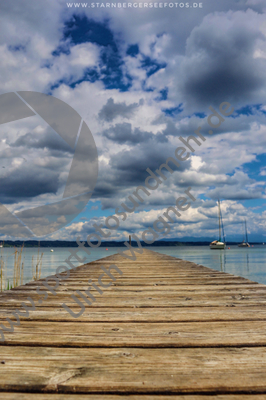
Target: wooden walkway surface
[[167, 329]]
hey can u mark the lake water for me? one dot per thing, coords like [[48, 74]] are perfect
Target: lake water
[[247, 262], [50, 261]]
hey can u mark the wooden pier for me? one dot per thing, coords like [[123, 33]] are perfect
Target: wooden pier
[[167, 329]]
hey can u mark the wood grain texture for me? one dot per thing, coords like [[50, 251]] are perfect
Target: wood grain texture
[[135, 314], [45, 396], [141, 334], [166, 329], [126, 370]]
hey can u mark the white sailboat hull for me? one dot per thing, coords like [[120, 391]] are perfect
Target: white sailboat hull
[[217, 245]]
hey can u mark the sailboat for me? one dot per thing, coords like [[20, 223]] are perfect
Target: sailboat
[[218, 244], [245, 242]]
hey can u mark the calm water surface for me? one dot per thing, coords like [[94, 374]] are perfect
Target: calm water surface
[[50, 261], [247, 262]]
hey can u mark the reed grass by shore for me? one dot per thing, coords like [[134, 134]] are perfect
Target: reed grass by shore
[[18, 268], [37, 266]]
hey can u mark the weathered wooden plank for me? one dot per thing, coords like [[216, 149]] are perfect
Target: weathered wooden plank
[[124, 299], [53, 396], [124, 281], [167, 275], [167, 334], [146, 303], [157, 314], [125, 370], [148, 289], [169, 291], [64, 295]]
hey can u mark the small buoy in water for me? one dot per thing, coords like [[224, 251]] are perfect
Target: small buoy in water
[[51, 250], [106, 249], [228, 248]]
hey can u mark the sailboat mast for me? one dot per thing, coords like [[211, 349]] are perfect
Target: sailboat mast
[[246, 231], [219, 213]]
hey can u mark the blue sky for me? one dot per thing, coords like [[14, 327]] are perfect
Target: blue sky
[[140, 78]]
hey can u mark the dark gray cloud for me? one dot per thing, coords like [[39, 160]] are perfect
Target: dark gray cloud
[[10, 225], [111, 110], [27, 183], [48, 218], [127, 169], [219, 63], [235, 192], [46, 140], [56, 113], [132, 164], [123, 133]]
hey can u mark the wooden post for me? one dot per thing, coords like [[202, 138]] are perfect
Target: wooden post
[[130, 240]]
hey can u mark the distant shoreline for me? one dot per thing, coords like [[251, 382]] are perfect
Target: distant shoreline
[[62, 243]]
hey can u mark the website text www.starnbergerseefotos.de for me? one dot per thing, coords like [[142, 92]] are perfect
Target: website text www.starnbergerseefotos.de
[[134, 5], [160, 226]]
